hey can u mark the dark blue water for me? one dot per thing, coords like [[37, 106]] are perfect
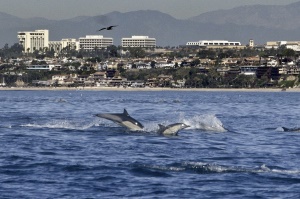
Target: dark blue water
[[52, 145]]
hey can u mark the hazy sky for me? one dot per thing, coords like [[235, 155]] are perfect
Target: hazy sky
[[63, 9]]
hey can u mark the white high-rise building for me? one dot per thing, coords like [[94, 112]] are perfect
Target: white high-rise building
[[139, 41], [91, 42], [36, 40]]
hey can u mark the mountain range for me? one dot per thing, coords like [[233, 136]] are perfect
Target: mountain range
[[259, 22]]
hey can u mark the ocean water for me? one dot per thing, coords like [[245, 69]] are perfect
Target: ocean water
[[53, 146]]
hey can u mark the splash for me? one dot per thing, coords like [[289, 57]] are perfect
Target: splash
[[202, 122], [214, 168], [151, 127], [6, 126], [205, 122], [279, 129], [206, 168]]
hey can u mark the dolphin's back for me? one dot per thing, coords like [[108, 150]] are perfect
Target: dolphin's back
[[291, 130], [122, 119], [171, 129], [112, 117]]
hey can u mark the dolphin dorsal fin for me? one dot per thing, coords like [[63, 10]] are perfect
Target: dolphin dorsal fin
[[285, 129], [125, 112], [161, 127]]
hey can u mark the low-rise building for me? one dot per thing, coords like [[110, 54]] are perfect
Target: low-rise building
[[64, 44], [294, 45], [216, 44], [272, 44]]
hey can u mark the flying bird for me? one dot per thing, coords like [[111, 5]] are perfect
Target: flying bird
[[107, 28]]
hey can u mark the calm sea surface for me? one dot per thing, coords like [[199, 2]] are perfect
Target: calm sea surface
[[52, 145]]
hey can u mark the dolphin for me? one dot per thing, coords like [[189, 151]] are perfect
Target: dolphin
[[171, 129], [291, 129], [123, 119]]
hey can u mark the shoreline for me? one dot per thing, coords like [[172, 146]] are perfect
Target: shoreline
[[147, 89]]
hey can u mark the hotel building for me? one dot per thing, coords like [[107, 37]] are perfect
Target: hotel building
[[36, 40], [58, 46], [139, 41], [91, 42], [39, 40]]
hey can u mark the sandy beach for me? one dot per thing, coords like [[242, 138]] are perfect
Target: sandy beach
[[148, 89]]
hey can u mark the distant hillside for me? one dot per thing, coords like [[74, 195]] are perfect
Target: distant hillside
[[281, 17], [261, 23]]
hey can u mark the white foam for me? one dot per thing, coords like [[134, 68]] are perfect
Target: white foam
[[205, 122], [219, 169], [264, 168], [8, 126], [151, 127], [63, 124]]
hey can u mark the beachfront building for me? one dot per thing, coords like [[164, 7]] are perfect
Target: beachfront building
[[69, 44], [34, 40], [139, 41], [216, 44], [294, 45], [93, 42]]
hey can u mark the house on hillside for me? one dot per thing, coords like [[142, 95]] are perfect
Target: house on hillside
[[137, 84], [143, 66], [97, 76], [151, 82], [248, 70]]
